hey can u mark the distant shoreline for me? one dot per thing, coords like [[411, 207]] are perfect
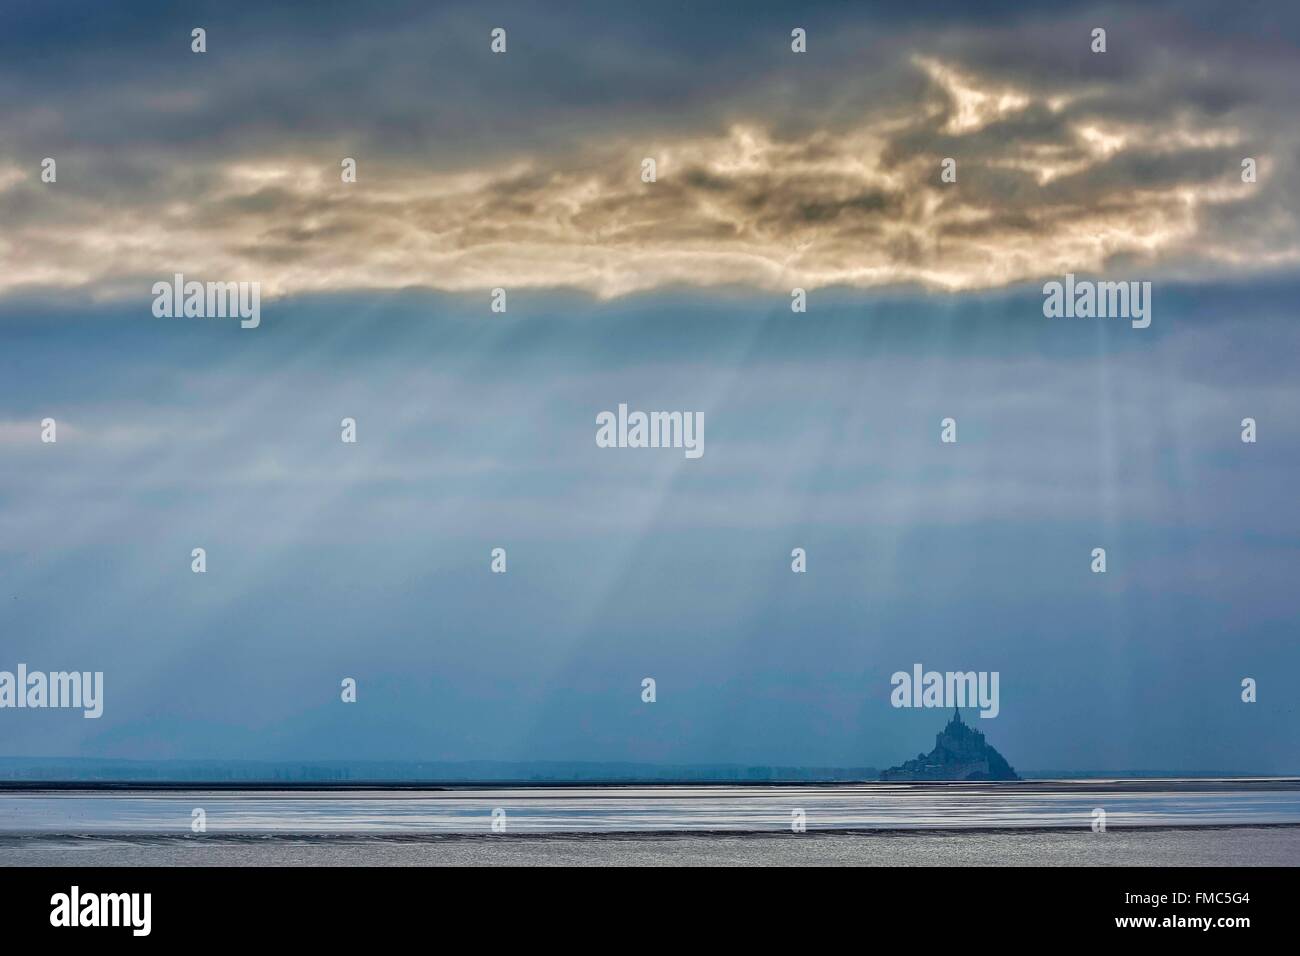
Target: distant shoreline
[[1086, 784]]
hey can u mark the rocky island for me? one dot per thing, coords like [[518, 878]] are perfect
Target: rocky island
[[959, 753]]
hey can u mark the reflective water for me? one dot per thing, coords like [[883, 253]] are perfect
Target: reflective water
[[659, 809]]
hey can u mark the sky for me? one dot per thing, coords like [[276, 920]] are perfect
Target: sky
[[476, 429]]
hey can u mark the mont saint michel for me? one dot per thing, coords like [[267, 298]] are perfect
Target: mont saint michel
[[959, 753]]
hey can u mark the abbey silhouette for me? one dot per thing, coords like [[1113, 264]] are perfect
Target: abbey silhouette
[[959, 753]]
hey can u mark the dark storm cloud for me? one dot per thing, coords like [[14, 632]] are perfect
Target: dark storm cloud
[[775, 169]]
